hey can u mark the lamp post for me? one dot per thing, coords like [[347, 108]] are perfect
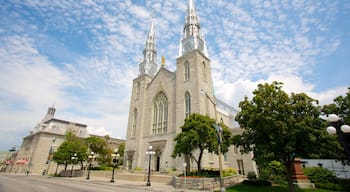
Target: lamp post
[[219, 134], [90, 157], [149, 152], [74, 157], [115, 156], [338, 127], [185, 166]]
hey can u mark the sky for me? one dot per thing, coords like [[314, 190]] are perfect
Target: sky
[[81, 56]]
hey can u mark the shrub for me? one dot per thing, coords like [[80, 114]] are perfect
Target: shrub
[[251, 175], [274, 172], [257, 182], [329, 186], [229, 172], [320, 175]]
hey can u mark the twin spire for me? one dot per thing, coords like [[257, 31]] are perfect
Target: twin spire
[[192, 38]]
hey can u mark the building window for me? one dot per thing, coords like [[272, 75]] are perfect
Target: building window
[[134, 123], [188, 104], [204, 71], [137, 94], [240, 166], [160, 114], [187, 71], [225, 157]]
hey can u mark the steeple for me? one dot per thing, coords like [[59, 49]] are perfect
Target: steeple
[[50, 114], [148, 64], [192, 36]]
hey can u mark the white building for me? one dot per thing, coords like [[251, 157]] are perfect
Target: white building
[[340, 170], [161, 100], [37, 148]]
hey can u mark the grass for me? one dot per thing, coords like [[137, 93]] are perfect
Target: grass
[[250, 188]]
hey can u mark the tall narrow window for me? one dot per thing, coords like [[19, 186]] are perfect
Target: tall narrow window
[[204, 71], [188, 104], [134, 123], [187, 71], [240, 167], [137, 94], [160, 114]]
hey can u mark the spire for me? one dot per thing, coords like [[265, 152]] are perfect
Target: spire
[[148, 65], [50, 114], [192, 36]]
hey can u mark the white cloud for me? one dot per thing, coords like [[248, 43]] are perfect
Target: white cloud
[[89, 80]]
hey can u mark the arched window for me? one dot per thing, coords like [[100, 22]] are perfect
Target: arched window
[[187, 104], [160, 114], [134, 123], [187, 71], [137, 94], [204, 71]]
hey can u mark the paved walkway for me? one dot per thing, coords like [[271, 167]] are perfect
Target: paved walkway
[[133, 185]]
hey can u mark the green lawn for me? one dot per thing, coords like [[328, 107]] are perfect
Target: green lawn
[[249, 188]]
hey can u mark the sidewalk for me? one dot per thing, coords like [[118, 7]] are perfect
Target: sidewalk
[[132, 185]]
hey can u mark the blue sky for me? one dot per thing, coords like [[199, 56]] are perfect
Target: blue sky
[[81, 56]]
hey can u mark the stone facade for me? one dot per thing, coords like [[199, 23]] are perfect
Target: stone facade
[[159, 104], [37, 148]]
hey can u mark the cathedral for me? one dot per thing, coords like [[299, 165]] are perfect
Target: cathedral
[[161, 99]]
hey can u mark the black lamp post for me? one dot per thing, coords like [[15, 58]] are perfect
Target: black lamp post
[[149, 152], [338, 127], [90, 157], [219, 137], [74, 157], [115, 160]]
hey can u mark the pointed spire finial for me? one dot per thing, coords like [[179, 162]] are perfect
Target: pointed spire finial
[[192, 36], [149, 65], [163, 61]]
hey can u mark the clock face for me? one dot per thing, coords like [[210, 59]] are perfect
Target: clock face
[[153, 69], [188, 46]]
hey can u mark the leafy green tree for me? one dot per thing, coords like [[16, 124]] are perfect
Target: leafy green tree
[[72, 145], [340, 107], [197, 135], [99, 146], [280, 127], [121, 152]]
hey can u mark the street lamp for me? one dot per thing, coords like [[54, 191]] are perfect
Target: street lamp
[[219, 134], [149, 152], [338, 127], [185, 166], [115, 156], [90, 157], [74, 157]]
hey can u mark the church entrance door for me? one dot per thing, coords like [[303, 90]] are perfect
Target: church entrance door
[[158, 163]]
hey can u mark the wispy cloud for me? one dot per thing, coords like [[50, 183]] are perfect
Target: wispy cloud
[[82, 56]]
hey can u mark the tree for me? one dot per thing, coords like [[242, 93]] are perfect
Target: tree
[[197, 135], [341, 107], [121, 149], [72, 145], [99, 146], [280, 127]]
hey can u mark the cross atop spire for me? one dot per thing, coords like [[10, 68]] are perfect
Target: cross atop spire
[[192, 36]]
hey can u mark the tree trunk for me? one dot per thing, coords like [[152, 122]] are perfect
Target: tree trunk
[[188, 162], [289, 168], [199, 166]]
